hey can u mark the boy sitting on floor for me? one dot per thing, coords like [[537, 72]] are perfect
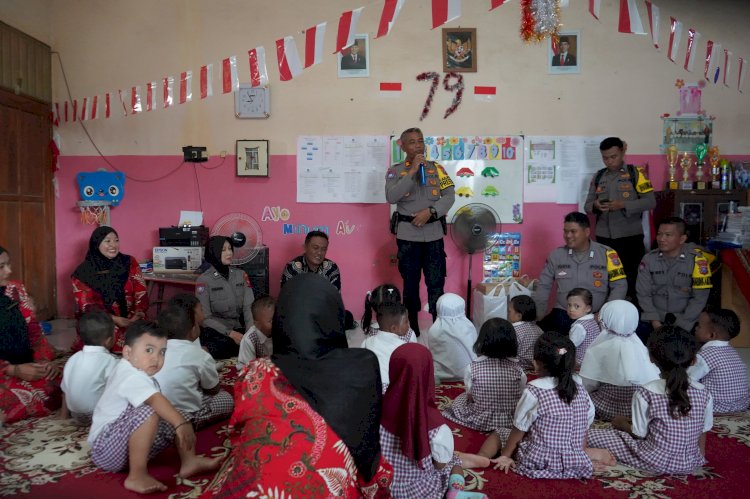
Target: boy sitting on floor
[[393, 321], [257, 340], [87, 371], [133, 421], [189, 378]]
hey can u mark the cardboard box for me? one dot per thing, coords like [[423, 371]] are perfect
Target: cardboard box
[[177, 259]]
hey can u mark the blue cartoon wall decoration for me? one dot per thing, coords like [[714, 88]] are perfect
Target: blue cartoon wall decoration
[[101, 186]]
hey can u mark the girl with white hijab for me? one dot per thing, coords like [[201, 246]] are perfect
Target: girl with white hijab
[[451, 339], [616, 362]]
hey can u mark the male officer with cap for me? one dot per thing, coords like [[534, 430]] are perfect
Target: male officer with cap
[[423, 193]]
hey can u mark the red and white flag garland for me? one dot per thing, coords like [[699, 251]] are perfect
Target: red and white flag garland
[[94, 107], [230, 80], [207, 79], [595, 6], [630, 18], [494, 4], [168, 91], [711, 68], [653, 21], [675, 33], [445, 11], [286, 53], [186, 87], [693, 37], [151, 90], [391, 8], [85, 108], [727, 66], [258, 71], [314, 38], [135, 99], [107, 101], [347, 28]]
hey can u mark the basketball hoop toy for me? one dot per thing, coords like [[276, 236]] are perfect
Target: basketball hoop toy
[[99, 190], [94, 212]]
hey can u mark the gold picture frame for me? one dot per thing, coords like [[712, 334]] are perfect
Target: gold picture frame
[[252, 158], [459, 50]]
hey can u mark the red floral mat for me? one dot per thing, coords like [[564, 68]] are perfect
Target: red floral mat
[[48, 458]]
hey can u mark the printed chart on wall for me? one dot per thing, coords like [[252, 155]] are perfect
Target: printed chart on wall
[[487, 170], [559, 168], [341, 169]]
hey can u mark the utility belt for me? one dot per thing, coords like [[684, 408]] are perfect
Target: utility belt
[[397, 217]]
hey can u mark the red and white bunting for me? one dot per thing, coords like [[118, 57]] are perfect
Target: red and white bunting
[[314, 38], [186, 87], [675, 33], [347, 28], [258, 71], [94, 107], [741, 77], [75, 110], [595, 7], [494, 4], [390, 89], [107, 105], [693, 37], [168, 91], [66, 111], [85, 108], [653, 22], [230, 79], [485, 93], [151, 96], [56, 114], [286, 53], [391, 9], [630, 18], [727, 66], [445, 11], [135, 99], [207, 81], [712, 61]]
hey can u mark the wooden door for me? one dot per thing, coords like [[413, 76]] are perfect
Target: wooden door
[[27, 209]]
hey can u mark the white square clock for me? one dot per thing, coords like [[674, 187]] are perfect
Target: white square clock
[[252, 102]]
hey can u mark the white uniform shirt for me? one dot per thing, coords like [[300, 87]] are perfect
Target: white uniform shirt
[[187, 369], [699, 370], [85, 377], [527, 409], [247, 349], [126, 385], [659, 386], [441, 446], [382, 345], [577, 332]]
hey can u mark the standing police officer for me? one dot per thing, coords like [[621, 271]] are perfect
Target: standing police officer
[[423, 193]]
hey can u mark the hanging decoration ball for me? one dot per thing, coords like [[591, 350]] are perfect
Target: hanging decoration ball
[[539, 19]]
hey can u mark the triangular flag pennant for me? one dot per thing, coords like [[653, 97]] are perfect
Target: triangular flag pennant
[[727, 66], [75, 109], [391, 8], [230, 80], [347, 28], [444, 11], [712, 60], [494, 4], [258, 71], [85, 108], [286, 53], [150, 96], [675, 33], [168, 91], [314, 38], [653, 21], [107, 102], [595, 6], [207, 77], [65, 107], [135, 99], [56, 114], [186, 87], [693, 37], [94, 107], [630, 19]]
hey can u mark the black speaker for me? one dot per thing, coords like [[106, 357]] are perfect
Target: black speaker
[[257, 270]]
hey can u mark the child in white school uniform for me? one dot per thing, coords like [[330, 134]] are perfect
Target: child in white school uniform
[[585, 329], [385, 293], [133, 421], [671, 415], [718, 366], [617, 362], [393, 320], [551, 420], [522, 313], [192, 305], [494, 381], [87, 371], [189, 378], [257, 341], [451, 339]]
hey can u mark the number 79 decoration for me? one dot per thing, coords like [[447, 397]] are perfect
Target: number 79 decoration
[[457, 87]]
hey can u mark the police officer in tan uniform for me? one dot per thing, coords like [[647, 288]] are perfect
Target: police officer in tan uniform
[[673, 280], [423, 193], [581, 263], [619, 195]]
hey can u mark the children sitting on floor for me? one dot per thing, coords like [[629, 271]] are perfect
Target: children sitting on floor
[[189, 378], [494, 381], [718, 366], [522, 313], [192, 305], [385, 293], [671, 415], [257, 341], [393, 321], [87, 371], [585, 329], [133, 421], [451, 339], [551, 420], [617, 361]]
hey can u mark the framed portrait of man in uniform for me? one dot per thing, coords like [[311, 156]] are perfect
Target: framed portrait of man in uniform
[[564, 53]]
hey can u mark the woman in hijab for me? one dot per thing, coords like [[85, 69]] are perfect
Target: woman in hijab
[[451, 339], [306, 420], [110, 281], [29, 381], [616, 362], [226, 296]]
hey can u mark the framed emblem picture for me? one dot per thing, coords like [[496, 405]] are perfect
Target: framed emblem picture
[[252, 158]]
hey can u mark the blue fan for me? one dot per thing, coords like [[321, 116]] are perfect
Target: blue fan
[[101, 186]]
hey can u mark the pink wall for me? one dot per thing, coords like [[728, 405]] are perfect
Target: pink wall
[[364, 255]]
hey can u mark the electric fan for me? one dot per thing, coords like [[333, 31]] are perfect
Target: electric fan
[[245, 234], [472, 229]]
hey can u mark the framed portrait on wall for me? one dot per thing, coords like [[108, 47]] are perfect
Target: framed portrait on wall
[[252, 158], [460, 49], [354, 61], [564, 53]]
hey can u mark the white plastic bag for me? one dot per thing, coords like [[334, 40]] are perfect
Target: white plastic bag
[[492, 304]]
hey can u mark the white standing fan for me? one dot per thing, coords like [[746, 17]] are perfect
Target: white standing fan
[[245, 233]]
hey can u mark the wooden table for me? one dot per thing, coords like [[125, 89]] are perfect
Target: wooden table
[[167, 278]]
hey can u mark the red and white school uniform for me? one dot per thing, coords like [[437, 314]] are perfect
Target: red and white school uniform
[[582, 333], [526, 333], [493, 387], [720, 369], [665, 445]]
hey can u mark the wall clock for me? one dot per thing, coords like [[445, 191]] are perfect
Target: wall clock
[[252, 102]]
